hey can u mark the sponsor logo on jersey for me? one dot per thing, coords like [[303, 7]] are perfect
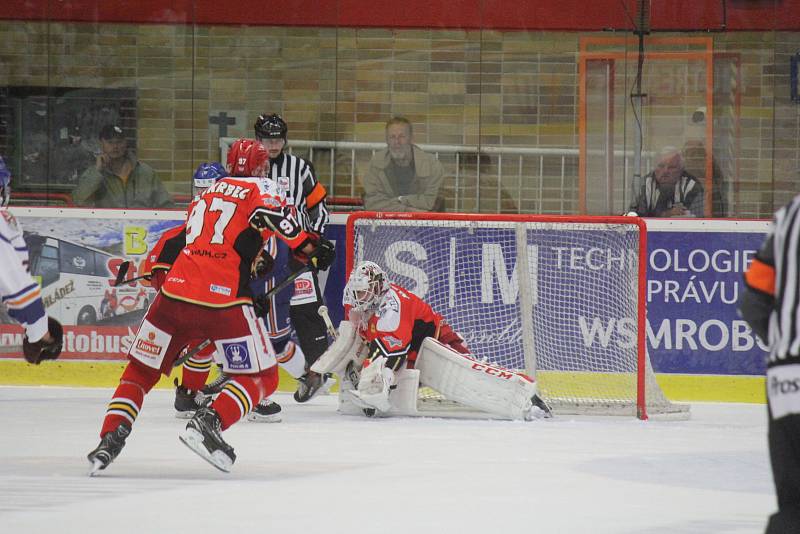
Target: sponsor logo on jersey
[[237, 355], [303, 287], [271, 202], [176, 280], [203, 253], [783, 389], [283, 182], [222, 290], [148, 346]]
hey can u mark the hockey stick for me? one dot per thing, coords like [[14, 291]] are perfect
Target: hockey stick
[[123, 270], [183, 359], [323, 312], [288, 280]]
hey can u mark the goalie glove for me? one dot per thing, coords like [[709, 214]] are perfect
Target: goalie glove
[[374, 385], [323, 255], [36, 351]]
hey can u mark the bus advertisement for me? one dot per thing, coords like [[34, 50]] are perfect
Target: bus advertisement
[[76, 258]]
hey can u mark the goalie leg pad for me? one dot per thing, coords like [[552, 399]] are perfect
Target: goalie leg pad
[[340, 352], [476, 384]]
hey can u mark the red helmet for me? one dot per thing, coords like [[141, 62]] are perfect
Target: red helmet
[[247, 157]]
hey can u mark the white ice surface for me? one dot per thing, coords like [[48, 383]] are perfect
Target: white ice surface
[[321, 472]]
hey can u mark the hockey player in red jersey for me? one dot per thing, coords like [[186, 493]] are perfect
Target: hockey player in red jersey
[[393, 324], [247, 158], [207, 292], [158, 262]]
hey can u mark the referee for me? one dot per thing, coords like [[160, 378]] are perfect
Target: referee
[[771, 306], [295, 176]]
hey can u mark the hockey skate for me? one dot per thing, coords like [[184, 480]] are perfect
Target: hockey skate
[[203, 435], [539, 409], [187, 402], [310, 384], [110, 446], [266, 411]]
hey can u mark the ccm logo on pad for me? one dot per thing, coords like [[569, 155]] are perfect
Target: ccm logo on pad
[[499, 373]]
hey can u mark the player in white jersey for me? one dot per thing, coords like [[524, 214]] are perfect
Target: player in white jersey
[[20, 293]]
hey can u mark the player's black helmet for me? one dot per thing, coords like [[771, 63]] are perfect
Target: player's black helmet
[[271, 127]]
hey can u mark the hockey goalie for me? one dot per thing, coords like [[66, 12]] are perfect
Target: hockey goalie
[[391, 342]]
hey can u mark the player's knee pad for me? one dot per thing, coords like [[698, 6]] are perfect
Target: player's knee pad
[[141, 375]]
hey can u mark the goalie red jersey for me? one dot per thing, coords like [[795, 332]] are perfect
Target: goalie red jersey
[[400, 324], [225, 231]]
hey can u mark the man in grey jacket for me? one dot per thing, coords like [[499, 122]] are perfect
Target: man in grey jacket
[[118, 179], [403, 177]]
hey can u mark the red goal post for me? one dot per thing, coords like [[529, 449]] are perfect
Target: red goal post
[[577, 322]]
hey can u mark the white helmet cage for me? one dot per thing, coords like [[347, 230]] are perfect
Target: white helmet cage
[[366, 286]]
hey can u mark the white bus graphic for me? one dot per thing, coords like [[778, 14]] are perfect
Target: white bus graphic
[[76, 282]]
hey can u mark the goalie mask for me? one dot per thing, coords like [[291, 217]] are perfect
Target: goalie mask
[[5, 184], [207, 175], [366, 286]]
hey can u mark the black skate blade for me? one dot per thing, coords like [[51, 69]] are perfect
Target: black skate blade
[[194, 440]]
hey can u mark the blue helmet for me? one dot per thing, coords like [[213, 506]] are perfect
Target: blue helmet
[[207, 175], [5, 183]]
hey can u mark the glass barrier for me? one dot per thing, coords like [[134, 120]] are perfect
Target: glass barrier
[[510, 109]]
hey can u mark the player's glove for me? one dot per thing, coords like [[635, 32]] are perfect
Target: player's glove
[[37, 351], [263, 265], [261, 305], [323, 255]]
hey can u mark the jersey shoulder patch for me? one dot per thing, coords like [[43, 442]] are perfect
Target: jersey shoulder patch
[[388, 313], [271, 192]]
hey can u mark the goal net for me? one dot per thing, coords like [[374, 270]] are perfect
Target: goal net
[[561, 298]]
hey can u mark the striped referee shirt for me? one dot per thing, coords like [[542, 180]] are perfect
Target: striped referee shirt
[[295, 176], [784, 331]]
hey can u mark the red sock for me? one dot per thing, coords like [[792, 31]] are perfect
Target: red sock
[[242, 393], [136, 381], [197, 368]]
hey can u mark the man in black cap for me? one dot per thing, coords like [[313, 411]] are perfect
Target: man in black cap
[[118, 179]]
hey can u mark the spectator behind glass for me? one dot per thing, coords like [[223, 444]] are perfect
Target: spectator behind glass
[[670, 191], [402, 177], [118, 179]]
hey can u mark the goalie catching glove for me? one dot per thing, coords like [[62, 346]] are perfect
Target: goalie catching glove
[[36, 351], [323, 255]]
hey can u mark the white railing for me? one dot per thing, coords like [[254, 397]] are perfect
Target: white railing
[[535, 172]]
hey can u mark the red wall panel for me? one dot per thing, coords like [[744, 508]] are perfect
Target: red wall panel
[[576, 15]]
